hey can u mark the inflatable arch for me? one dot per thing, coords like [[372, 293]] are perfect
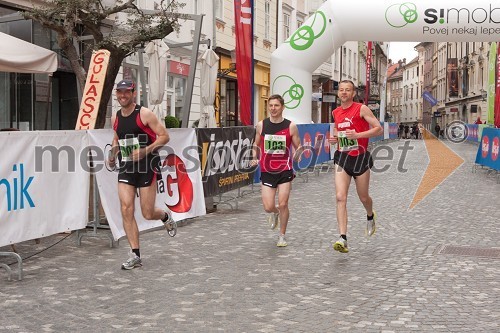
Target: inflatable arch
[[337, 22]]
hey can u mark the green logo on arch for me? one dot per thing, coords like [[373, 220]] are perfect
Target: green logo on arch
[[401, 14]]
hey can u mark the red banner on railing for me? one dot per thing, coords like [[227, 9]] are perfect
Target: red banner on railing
[[243, 21], [368, 71], [497, 90]]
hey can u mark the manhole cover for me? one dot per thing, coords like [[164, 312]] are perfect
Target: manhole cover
[[470, 251]]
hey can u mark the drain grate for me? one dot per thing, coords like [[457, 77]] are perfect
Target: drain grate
[[470, 251]]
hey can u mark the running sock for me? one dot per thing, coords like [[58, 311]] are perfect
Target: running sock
[[344, 237], [369, 218], [137, 252]]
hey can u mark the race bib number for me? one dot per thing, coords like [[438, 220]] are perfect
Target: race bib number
[[274, 144], [127, 146], [346, 144]]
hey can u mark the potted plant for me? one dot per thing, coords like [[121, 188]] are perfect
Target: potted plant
[[172, 122]]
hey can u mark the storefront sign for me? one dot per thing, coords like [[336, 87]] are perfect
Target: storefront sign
[[93, 90], [179, 68]]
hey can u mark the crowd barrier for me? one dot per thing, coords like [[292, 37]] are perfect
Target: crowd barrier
[[488, 151]]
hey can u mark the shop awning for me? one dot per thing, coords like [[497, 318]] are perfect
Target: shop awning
[[19, 56]]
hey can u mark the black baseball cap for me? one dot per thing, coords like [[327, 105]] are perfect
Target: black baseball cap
[[125, 84]]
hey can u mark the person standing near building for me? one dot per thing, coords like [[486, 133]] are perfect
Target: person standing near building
[[437, 128], [138, 135], [354, 125], [274, 137]]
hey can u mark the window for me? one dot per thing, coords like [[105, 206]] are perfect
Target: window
[[219, 9], [299, 23], [344, 55], [286, 26], [349, 72], [267, 20]]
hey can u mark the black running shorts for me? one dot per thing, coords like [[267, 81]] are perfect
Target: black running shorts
[[353, 165], [272, 179], [142, 173]]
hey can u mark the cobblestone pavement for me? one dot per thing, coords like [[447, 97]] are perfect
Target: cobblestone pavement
[[223, 271]]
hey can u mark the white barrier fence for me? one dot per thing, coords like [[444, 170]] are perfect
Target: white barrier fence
[[44, 182], [43, 188]]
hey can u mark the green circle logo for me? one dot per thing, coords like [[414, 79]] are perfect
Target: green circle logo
[[293, 95], [304, 36], [399, 15]]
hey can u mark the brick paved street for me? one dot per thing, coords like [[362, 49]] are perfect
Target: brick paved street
[[223, 271]]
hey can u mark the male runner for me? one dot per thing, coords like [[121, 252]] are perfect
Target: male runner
[[354, 125], [274, 137]]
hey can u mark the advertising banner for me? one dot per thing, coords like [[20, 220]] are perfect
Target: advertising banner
[[44, 188], [472, 132], [179, 189], [492, 62], [225, 155], [452, 72], [316, 147], [93, 90], [429, 98], [243, 18], [496, 116], [368, 71], [393, 131], [487, 153]]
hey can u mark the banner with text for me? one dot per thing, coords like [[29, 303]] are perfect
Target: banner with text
[[93, 90], [225, 155], [44, 189], [180, 188]]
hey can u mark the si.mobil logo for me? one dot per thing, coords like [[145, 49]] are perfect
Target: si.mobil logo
[[485, 146], [495, 147], [401, 14], [307, 144]]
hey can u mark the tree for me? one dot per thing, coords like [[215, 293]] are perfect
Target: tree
[[117, 26]]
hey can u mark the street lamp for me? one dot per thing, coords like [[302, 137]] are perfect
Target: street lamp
[[484, 94]]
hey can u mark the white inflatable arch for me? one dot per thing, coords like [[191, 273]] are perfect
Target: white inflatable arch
[[337, 22]]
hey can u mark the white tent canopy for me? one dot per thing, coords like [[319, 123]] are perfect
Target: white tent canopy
[[19, 56]]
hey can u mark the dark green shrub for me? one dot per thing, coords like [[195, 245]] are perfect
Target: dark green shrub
[[172, 122]]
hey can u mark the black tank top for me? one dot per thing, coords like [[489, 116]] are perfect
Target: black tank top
[[275, 146], [132, 133]]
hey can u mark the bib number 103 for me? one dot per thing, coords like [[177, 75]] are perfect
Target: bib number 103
[[346, 144], [274, 144]]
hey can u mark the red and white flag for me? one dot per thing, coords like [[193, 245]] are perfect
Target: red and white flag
[[497, 91], [368, 71], [243, 18]]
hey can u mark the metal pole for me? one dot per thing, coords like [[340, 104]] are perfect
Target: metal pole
[[142, 76], [186, 108]]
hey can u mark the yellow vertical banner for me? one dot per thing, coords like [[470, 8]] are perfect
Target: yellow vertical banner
[[93, 90]]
